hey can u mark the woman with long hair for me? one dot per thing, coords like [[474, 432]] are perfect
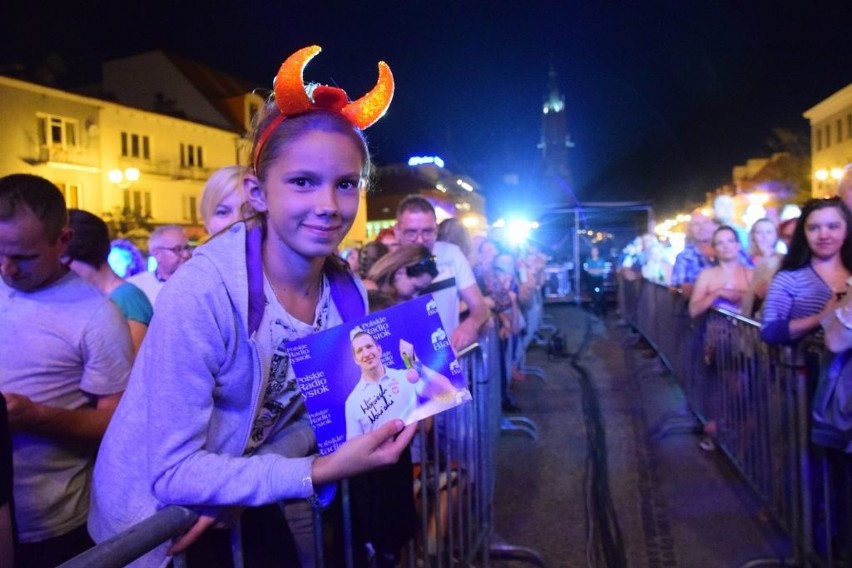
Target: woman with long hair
[[723, 285], [763, 243], [404, 273], [813, 274], [222, 199]]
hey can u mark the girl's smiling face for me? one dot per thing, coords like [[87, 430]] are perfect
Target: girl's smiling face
[[825, 231], [311, 193]]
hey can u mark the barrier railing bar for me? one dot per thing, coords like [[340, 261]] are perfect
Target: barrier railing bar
[[760, 398], [137, 540], [457, 485]]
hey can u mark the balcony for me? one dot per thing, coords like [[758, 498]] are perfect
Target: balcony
[[166, 168], [69, 158]]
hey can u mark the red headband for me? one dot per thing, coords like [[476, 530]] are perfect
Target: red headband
[[292, 99]]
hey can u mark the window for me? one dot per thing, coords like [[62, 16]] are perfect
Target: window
[[137, 202], [190, 208], [135, 145], [191, 156], [827, 135], [839, 131], [849, 125], [818, 137], [71, 193], [57, 131]]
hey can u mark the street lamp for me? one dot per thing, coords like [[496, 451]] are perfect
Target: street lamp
[[132, 200], [831, 175], [123, 178]]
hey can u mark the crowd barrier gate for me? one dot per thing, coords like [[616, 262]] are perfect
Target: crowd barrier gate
[[759, 397]]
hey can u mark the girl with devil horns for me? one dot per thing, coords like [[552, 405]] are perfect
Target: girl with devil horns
[[212, 407]]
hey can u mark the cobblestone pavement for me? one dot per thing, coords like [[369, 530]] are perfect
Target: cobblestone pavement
[[597, 488]]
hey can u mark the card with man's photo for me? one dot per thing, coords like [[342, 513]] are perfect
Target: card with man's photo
[[394, 363]]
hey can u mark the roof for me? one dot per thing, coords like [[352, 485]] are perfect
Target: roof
[[216, 86]]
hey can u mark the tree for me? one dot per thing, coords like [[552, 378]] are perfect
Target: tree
[[791, 163]]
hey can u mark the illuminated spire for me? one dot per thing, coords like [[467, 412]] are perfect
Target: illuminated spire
[[555, 142], [555, 101]]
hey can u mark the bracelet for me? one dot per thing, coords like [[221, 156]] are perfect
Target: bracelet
[[322, 496], [308, 483], [843, 321]]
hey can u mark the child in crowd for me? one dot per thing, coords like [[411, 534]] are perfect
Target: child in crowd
[[213, 418]]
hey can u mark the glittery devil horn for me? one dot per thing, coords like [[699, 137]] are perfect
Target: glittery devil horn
[[290, 95], [364, 112], [292, 99]]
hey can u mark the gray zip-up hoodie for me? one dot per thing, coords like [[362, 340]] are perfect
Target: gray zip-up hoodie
[[179, 433]]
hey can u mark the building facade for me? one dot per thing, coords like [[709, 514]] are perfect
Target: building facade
[[452, 195], [142, 146], [83, 143], [831, 140]]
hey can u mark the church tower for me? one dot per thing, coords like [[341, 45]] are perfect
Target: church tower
[[554, 145]]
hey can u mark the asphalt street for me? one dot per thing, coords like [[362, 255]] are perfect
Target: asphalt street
[[616, 476]]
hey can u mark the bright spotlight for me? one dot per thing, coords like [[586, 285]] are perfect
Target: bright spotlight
[[518, 231]]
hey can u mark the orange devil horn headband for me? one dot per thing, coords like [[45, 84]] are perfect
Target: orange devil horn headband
[[292, 98]]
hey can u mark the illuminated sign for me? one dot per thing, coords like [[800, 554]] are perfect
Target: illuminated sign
[[423, 160]]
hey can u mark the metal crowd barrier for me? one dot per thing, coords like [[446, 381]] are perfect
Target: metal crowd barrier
[[137, 540], [759, 399], [454, 491]]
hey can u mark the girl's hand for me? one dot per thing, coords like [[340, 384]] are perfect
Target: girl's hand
[[373, 450]]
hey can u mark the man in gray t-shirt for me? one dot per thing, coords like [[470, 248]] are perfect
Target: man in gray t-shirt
[[65, 355]]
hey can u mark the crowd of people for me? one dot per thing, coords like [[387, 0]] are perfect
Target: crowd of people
[[792, 278], [716, 269], [125, 390]]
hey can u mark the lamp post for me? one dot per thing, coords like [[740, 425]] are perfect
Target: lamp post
[[124, 178], [130, 213], [822, 175]]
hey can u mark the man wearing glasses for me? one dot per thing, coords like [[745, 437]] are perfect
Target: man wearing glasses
[[416, 222], [170, 247]]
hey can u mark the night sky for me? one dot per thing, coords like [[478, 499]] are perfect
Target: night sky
[[662, 98]]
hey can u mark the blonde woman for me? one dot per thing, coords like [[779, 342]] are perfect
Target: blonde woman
[[222, 199]]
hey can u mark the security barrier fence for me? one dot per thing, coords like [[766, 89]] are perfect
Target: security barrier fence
[[455, 464], [757, 398]]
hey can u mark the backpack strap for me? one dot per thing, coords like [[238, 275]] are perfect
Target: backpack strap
[[344, 292], [254, 268]]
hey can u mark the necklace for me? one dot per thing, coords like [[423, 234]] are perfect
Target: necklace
[[291, 323]]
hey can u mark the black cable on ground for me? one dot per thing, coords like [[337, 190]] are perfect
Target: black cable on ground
[[605, 538]]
